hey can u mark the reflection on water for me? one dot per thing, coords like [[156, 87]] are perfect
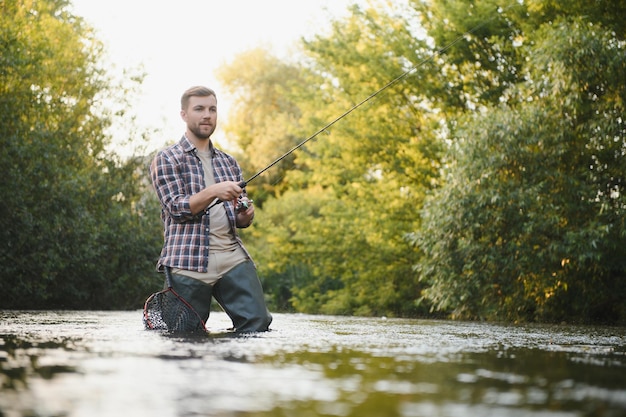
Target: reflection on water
[[104, 364]]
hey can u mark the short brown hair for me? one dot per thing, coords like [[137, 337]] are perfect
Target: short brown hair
[[197, 91]]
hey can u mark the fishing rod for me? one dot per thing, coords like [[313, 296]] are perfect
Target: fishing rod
[[391, 83]]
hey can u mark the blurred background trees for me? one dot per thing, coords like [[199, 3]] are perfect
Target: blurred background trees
[[74, 233], [530, 222], [486, 185]]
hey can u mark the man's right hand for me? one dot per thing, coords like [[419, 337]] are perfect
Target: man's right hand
[[226, 190], [223, 191]]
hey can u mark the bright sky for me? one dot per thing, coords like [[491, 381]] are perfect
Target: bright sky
[[181, 43]]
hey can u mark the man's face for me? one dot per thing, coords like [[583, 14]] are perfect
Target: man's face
[[201, 116]]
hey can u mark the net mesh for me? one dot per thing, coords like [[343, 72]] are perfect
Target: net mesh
[[166, 310]]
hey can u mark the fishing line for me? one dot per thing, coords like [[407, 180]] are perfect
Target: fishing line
[[391, 83]]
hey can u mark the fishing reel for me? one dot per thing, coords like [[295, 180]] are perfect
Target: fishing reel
[[243, 205]]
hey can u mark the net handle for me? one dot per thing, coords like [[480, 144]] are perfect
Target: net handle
[[168, 276]]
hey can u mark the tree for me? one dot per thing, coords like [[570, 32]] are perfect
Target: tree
[[509, 133], [73, 231], [264, 117], [333, 239], [529, 225]]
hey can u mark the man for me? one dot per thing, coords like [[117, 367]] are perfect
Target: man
[[202, 205]]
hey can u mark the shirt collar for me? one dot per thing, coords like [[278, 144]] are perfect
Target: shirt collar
[[188, 146]]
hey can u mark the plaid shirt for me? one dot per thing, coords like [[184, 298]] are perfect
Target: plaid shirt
[[177, 174]]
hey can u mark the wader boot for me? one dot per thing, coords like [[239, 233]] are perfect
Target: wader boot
[[240, 294], [197, 294]]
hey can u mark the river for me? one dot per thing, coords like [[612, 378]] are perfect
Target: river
[[77, 363]]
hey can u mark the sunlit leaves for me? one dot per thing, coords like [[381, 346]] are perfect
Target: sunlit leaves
[[335, 234], [72, 230], [519, 230], [512, 111]]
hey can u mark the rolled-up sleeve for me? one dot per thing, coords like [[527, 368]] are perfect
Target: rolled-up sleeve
[[171, 190]]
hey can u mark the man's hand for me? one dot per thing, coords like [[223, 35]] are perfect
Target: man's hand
[[224, 191]]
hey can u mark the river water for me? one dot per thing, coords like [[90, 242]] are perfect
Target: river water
[[76, 364]]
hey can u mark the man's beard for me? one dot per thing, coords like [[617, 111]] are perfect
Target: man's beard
[[200, 134]]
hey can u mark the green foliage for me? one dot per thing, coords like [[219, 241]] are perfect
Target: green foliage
[[72, 222], [529, 225], [332, 241], [261, 86], [513, 113], [479, 60]]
